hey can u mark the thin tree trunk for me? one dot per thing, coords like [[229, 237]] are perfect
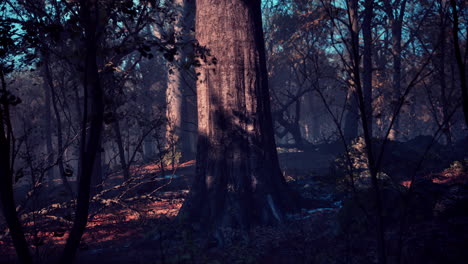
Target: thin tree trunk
[[6, 182], [58, 119], [382, 62], [367, 61], [48, 129], [292, 128], [443, 84], [460, 62], [97, 174], [396, 50], [118, 137], [352, 117], [297, 126], [238, 180], [79, 121], [396, 23], [373, 170], [315, 118], [148, 143], [89, 142], [351, 123]]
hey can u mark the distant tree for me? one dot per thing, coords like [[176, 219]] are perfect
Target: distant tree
[[178, 136], [395, 10]]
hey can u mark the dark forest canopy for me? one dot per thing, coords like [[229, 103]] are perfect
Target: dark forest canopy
[[197, 131]]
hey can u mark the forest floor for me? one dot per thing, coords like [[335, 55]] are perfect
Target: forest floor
[[134, 222]]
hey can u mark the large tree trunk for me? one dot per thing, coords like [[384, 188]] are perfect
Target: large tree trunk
[[238, 181]]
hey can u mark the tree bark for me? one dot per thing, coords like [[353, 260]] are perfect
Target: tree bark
[[238, 180]]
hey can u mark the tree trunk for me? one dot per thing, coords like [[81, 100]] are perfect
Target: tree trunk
[[443, 84], [238, 181], [48, 129], [352, 117], [120, 145], [48, 77], [460, 61], [174, 97], [96, 177], [396, 23], [148, 143], [381, 61], [367, 61], [90, 143], [315, 118], [189, 124], [6, 182], [177, 134], [396, 50], [351, 124], [189, 117], [353, 7]]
